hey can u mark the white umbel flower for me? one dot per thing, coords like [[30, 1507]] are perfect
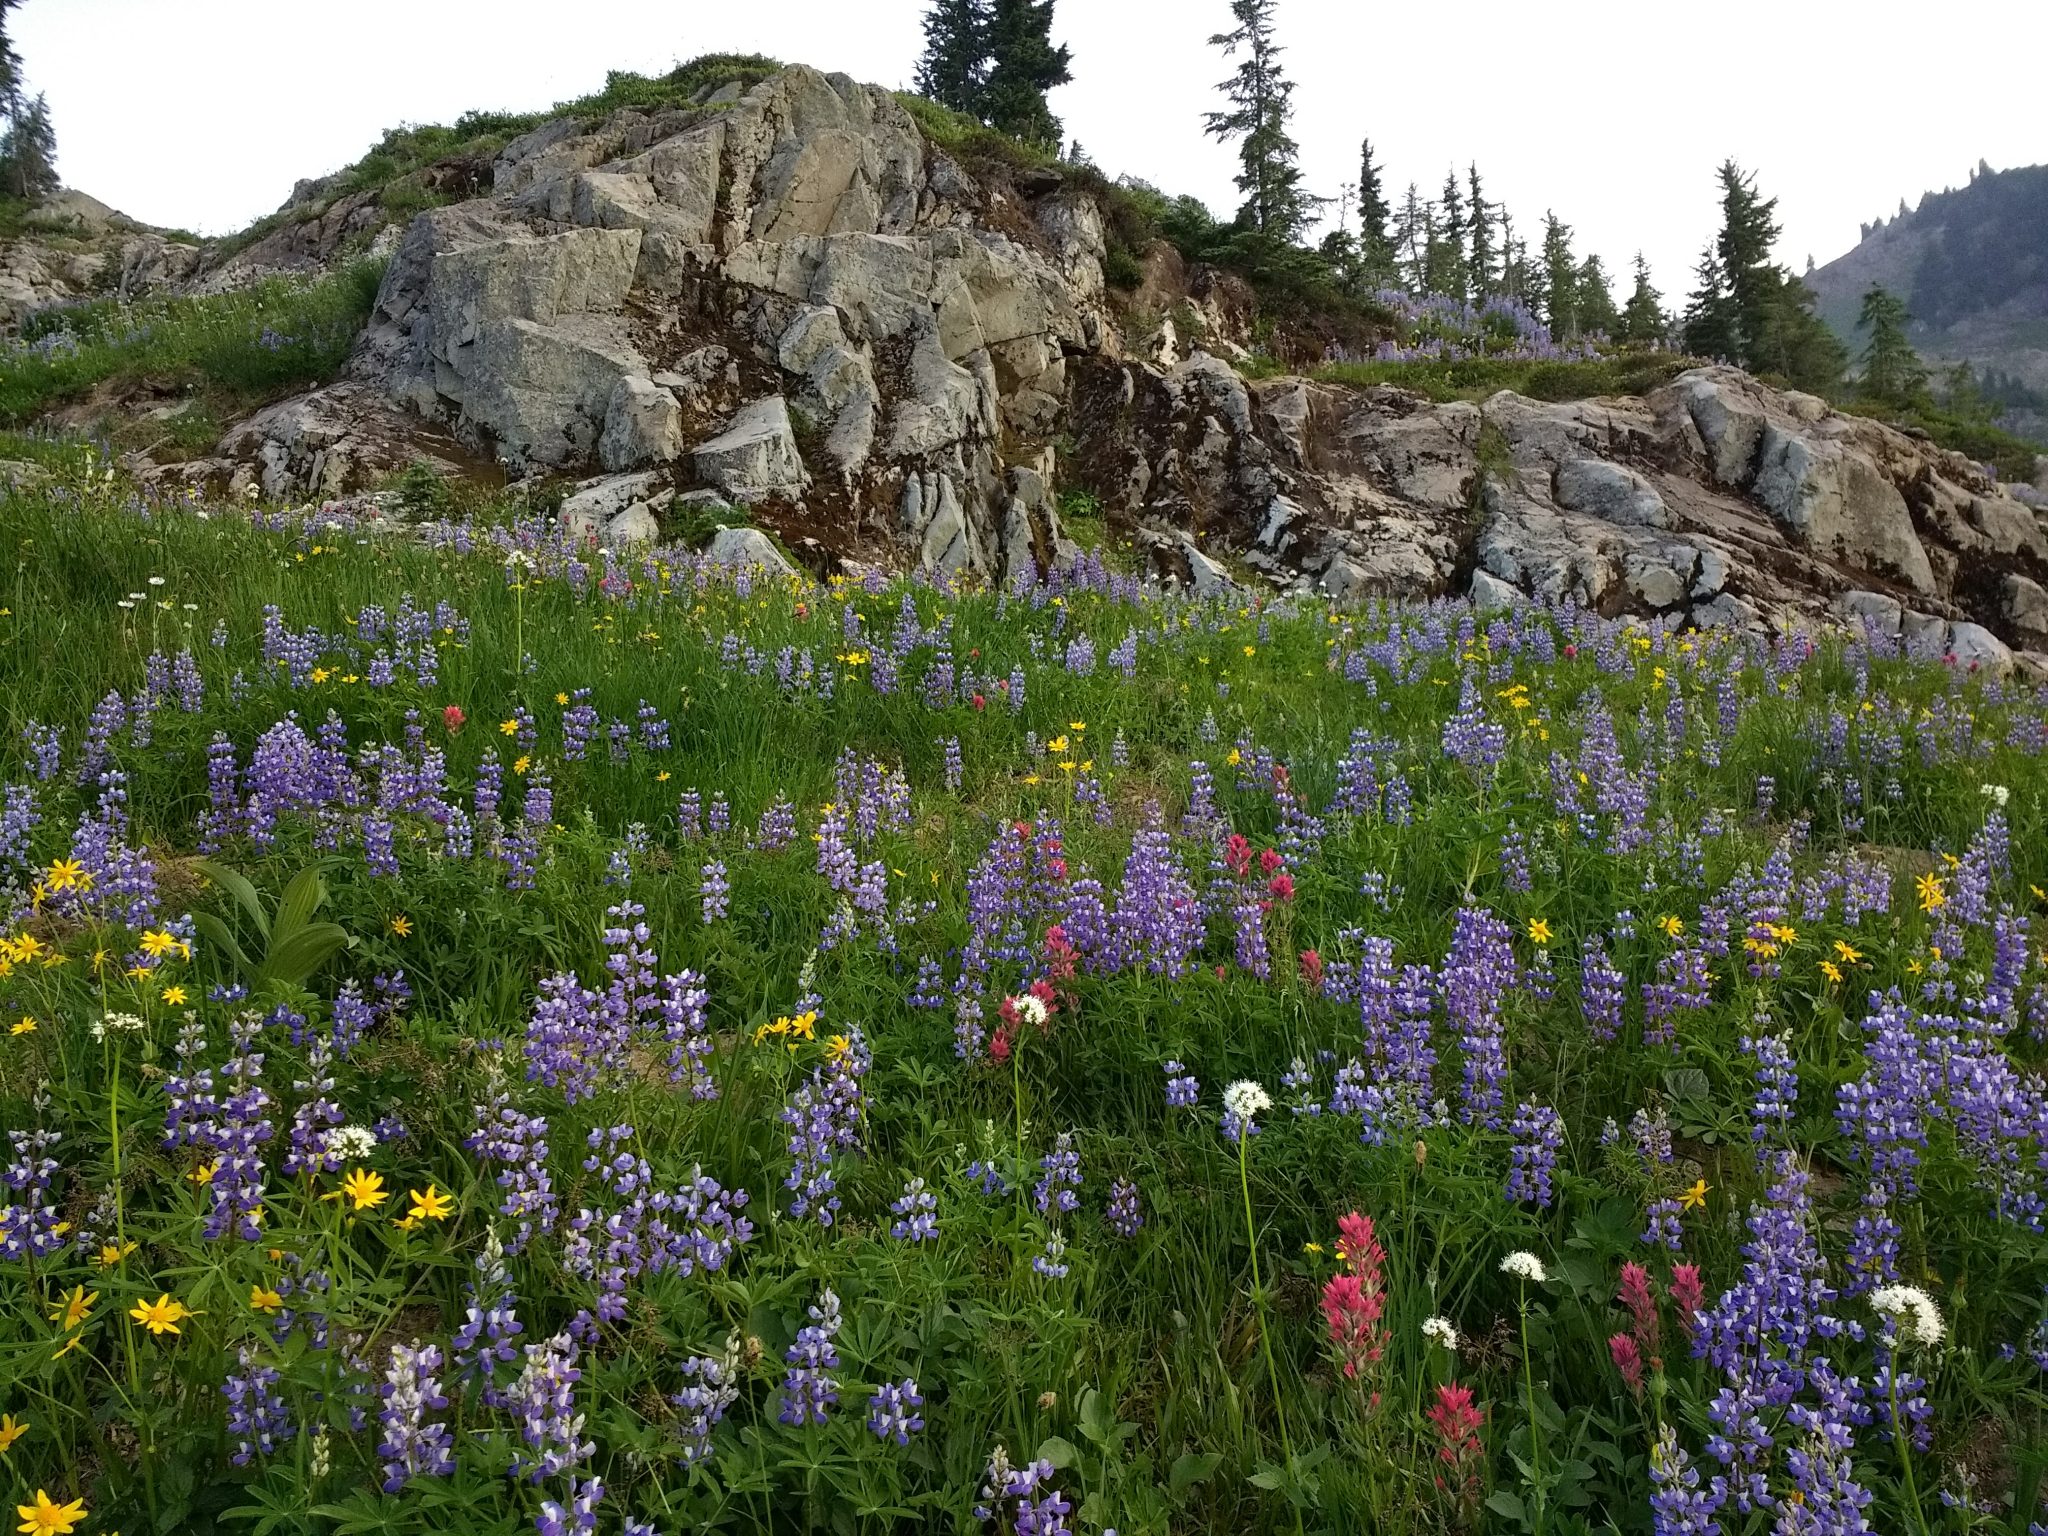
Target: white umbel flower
[[115, 1024], [1244, 1099], [353, 1142], [1524, 1265], [1030, 1010], [1919, 1319], [1438, 1330], [1997, 794]]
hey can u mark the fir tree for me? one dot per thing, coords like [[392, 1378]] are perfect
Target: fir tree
[[1594, 298], [1892, 371], [1478, 215], [1447, 251], [1375, 243], [1275, 203], [1749, 228], [1024, 63], [1643, 322], [954, 67], [28, 144], [1710, 322], [1414, 234], [1560, 279]]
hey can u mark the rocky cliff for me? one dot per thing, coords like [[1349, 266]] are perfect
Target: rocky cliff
[[786, 296]]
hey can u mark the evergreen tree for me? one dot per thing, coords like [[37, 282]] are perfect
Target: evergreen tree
[[954, 67], [1414, 234], [1560, 279], [1478, 215], [1749, 228], [1643, 322], [1447, 251], [1375, 243], [1024, 63], [1514, 267], [1595, 300], [28, 144], [1710, 321], [1891, 369], [1275, 203]]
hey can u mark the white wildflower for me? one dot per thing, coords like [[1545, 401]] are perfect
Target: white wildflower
[[1919, 1319], [1030, 1010], [1244, 1099], [1997, 794], [353, 1142], [1524, 1265], [1438, 1330], [115, 1024]]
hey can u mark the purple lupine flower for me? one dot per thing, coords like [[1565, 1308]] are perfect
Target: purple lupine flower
[[824, 1116], [1052, 1262], [1054, 1193], [1777, 1079], [544, 1400], [1158, 919], [1477, 974], [414, 1444], [484, 1342], [518, 1144], [808, 1388], [916, 1213], [1123, 1214], [1182, 1090], [257, 1417], [714, 1387], [1679, 1506], [776, 829], [892, 1411], [717, 891], [30, 1228], [1539, 1133], [1603, 990], [1664, 1227], [1022, 1499]]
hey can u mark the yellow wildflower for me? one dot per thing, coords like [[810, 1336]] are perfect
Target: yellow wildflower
[[162, 1315], [430, 1204], [46, 1518], [1695, 1198], [1539, 930]]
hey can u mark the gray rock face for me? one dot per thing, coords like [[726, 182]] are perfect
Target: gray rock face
[[643, 424], [1609, 491], [755, 457], [747, 549], [2026, 607], [589, 511]]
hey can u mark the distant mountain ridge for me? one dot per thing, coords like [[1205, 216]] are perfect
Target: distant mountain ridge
[[1971, 263]]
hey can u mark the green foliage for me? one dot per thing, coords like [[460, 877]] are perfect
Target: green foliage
[[1749, 309], [1180, 1379], [2010, 455], [1475, 378], [277, 335], [1892, 371], [1643, 321], [1276, 206]]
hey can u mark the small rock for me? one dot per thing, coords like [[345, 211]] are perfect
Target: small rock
[[635, 525], [1975, 648], [743, 549], [2026, 606], [1490, 593], [1872, 610], [589, 510], [1600, 489], [642, 425]]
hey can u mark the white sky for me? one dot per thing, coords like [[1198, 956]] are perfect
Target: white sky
[[201, 113]]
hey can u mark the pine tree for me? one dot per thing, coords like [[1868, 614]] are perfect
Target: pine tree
[[1643, 322], [1560, 279], [1375, 243], [1711, 329], [1596, 314], [1024, 63], [954, 67], [1480, 263], [1414, 234], [1275, 203], [1892, 371]]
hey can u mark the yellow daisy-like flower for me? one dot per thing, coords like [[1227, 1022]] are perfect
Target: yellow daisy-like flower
[[1539, 930], [562, 698], [11, 1430], [1832, 971], [111, 1254], [174, 997], [1847, 954], [45, 1517], [1695, 1198], [1933, 896], [1671, 926], [66, 875], [72, 1310], [401, 926], [23, 1026], [157, 945], [363, 1190], [204, 1173], [430, 1205], [264, 1300], [508, 727], [162, 1315]]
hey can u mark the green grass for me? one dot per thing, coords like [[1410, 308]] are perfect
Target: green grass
[[276, 335], [1142, 1375], [1476, 378], [2013, 457]]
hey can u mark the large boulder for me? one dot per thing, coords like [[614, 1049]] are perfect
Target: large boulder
[[756, 456]]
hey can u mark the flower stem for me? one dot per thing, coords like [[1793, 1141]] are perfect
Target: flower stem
[[1251, 1236], [1905, 1451], [1542, 1500]]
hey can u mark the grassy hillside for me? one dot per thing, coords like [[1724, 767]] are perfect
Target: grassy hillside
[[1050, 987]]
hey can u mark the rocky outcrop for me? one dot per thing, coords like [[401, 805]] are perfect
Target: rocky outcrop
[[785, 294]]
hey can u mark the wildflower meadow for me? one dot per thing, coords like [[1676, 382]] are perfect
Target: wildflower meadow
[[500, 1035]]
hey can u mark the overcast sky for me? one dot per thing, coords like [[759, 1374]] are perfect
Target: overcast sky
[[201, 113]]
